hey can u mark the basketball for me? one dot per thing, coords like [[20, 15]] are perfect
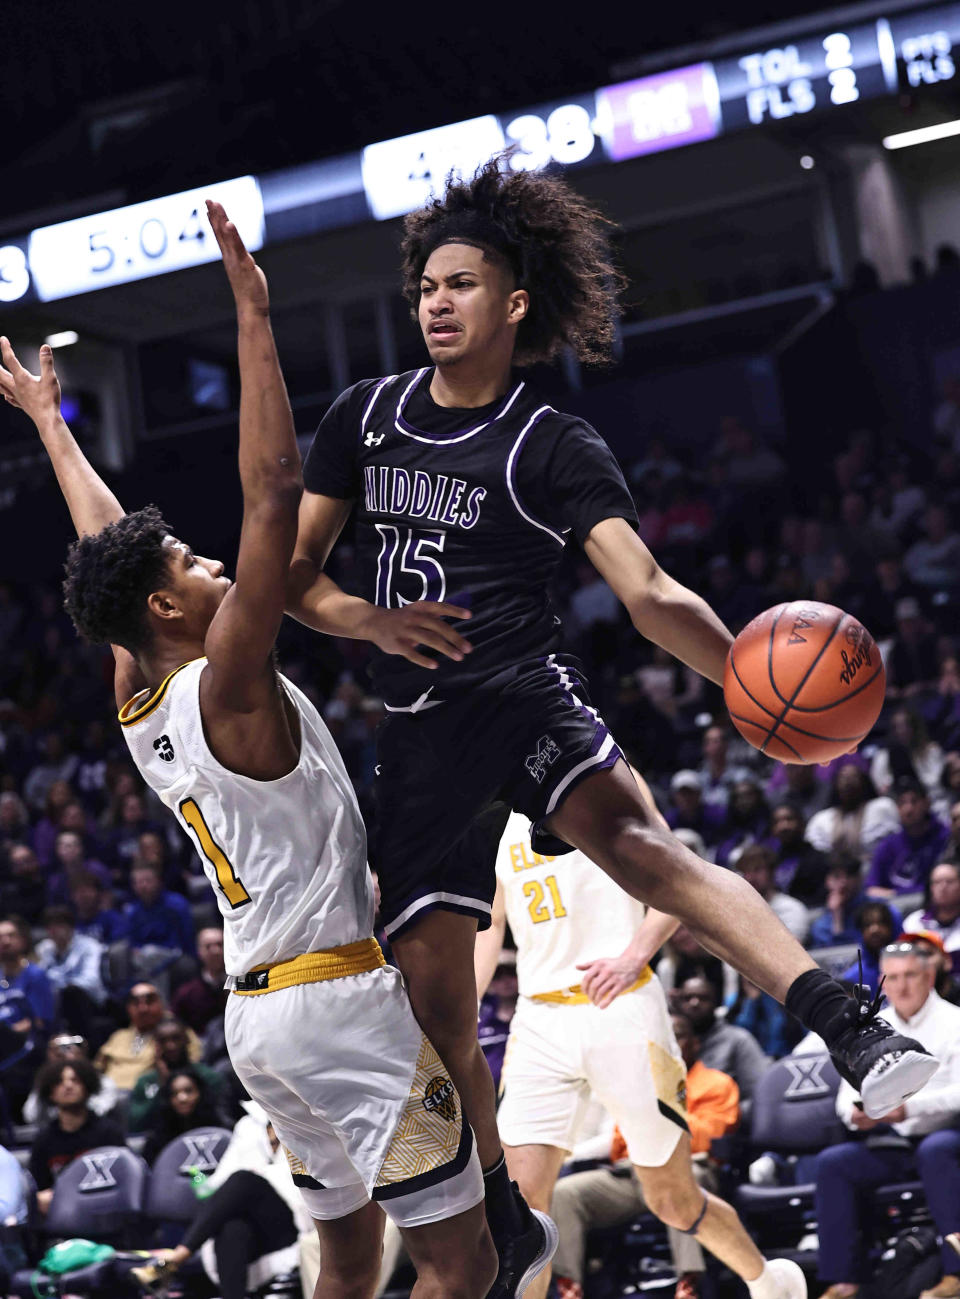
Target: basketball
[[804, 682]]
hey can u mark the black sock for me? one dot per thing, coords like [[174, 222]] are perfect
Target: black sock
[[818, 1001], [503, 1210]]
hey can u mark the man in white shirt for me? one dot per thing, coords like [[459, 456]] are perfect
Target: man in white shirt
[[72, 960], [928, 1122]]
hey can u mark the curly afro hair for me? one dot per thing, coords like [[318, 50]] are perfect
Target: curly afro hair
[[556, 244], [110, 573]]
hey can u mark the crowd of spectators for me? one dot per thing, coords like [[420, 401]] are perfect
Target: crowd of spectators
[[111, 955]]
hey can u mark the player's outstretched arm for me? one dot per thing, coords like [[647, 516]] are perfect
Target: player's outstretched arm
[[90, 501], [239, 642], [661, 609], [317, 601]]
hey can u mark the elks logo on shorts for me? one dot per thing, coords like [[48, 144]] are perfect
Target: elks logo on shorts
[[682, 1093], [441, 1096], [548, 751]]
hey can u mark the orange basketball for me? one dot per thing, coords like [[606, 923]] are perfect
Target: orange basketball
[[804, 682]]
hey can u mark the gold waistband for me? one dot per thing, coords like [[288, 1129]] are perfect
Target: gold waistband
[[313, 967], [576, 996]]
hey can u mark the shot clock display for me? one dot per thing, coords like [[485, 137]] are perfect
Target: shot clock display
[[813, 71], [130, 243]]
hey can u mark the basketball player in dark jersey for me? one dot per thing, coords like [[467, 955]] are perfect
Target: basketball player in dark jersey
[[467, 486]]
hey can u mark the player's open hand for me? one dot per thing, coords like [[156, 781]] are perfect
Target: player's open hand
[[247, 280], [605, 979], [416, 627], [36, 394]]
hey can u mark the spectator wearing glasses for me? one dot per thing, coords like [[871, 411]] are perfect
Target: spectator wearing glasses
[[171, 1041], [928, 1121], [129, 1052], [941, 915]]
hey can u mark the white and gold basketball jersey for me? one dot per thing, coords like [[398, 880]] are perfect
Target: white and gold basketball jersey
[[562, 911], [286, 858]]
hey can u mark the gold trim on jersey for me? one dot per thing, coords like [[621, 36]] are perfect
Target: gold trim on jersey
[[575, 995], [314, 967], [144, 710]]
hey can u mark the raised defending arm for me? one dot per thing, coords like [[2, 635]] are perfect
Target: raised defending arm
[[240, 640], [91, 503]]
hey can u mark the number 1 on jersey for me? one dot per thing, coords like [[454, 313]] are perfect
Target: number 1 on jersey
[[230, 886]]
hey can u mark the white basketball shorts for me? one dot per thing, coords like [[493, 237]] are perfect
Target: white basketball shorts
[[626, 1057], [358, 1096]]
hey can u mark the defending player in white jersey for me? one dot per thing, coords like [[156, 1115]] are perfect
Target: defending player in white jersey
[[319, 1030], [592, 1022]]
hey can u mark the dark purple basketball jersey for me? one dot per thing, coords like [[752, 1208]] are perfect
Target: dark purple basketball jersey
[[471, 506]]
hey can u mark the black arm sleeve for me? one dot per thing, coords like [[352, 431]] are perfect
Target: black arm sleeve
[[330, 468], [571, 478]]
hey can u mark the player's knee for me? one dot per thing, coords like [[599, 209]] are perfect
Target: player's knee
[[676, 1205], [464, 1274], [353, 1276], [358, 1284]]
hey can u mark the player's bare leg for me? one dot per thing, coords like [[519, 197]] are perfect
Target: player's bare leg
[[350, 1249], [535, 1169], [436, 959], [454, 1258], [672, 1193]]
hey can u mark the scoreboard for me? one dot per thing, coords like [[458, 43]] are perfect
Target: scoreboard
[[817, 71]]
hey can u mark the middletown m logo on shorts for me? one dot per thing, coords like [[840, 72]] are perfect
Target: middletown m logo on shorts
[[441, 1097], [548, 751]]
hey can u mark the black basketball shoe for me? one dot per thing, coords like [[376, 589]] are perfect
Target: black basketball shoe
[[525, 1256], [882, 1065]]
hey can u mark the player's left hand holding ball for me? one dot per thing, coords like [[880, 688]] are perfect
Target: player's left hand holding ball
[[38, 395], [247, 280]]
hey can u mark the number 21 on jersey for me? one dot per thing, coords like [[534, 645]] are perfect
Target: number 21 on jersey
[[230, 885], [537, 904]]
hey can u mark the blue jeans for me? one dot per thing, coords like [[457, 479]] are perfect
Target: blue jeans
[[844, 1172]]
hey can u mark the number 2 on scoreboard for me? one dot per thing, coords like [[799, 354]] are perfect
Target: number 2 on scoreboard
[[230, 885]]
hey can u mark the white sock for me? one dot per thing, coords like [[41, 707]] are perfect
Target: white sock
[[765, 1286]]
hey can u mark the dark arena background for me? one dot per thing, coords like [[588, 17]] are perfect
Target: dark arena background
[[784, 403]]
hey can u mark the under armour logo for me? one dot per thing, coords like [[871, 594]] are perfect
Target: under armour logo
[[164, 748], [201, 1153], [548, 751], [806, 1077], [373, 439], [98, 1176]]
